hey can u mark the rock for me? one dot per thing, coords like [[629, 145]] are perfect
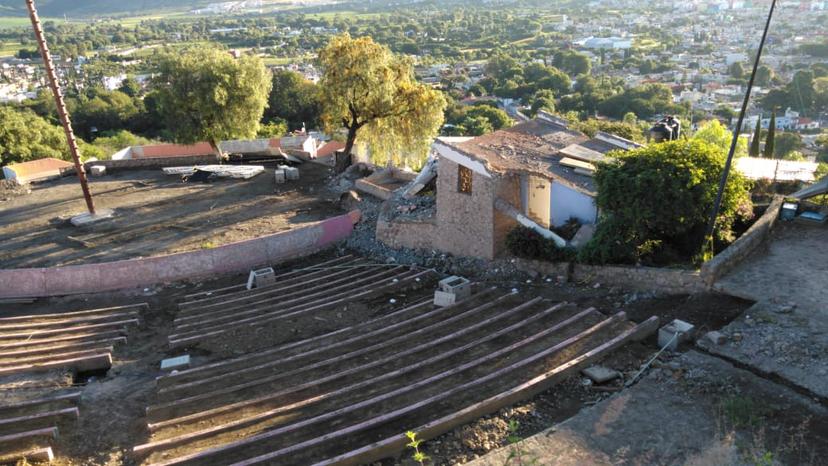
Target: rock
[[785, 309], [737, 336], [717, 338], [601, 374]]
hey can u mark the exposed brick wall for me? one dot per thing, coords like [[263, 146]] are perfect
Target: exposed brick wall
[[728, 259], [465, 221]]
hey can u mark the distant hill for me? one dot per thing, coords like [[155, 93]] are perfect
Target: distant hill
[[90, 8]]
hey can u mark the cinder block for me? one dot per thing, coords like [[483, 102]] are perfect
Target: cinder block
[[97, 170], [717, 338], [458, 286], [181, 362], [667, 333], [281, 177], [443, 299], [601, 374], [292, 173], [260, 278]]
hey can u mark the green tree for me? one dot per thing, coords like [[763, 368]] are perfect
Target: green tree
[[542, 100], [25, 136], [295, 100], [104, 111], [715, 133], [656, 201], [756, 142], [572, 63], [497, 118], [374, 95], [764, 76], [737, 70], [204, 94], [785, 143], [770, 141], [476, 126]]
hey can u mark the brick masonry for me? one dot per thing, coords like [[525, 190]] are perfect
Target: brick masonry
[[231, 258]]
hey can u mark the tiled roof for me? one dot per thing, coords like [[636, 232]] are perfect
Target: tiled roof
[[37, 169], [172, 150]]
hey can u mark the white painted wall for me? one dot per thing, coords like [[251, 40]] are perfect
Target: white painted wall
[[568, 203]]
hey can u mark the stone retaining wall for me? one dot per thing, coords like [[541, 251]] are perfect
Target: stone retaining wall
[[128, 274], [731, 257], [670, 281]]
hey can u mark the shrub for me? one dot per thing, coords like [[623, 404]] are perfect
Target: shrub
[[527, 243]]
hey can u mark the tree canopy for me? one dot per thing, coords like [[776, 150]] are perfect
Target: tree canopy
[[655, 202], [25, 136], [295, 100], [374, 95], [204, 94], [717, 134]]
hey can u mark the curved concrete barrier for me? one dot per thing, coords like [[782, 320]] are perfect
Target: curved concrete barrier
[[230, 258]]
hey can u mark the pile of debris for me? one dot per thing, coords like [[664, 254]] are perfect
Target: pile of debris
[[10, 189]]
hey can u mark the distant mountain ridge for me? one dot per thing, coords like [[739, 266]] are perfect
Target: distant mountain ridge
[[90, 8]]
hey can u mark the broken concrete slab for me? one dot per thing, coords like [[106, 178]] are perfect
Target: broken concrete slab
[[716, 338], [792, 346], [601, 374], [180, 362], [87, 219], [671, 419]]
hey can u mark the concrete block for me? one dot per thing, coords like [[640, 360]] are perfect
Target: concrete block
[[292, 173], [89, 219], [97, 170], [717, 338], [458, 286], [281, 177], [667, 333], [443, 299], [181, 362], [260, 278], [600, 374]]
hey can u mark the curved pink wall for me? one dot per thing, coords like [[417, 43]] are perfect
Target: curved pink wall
[[231, 258]]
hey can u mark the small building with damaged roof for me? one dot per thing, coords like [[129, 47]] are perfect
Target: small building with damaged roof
[[537, 173]]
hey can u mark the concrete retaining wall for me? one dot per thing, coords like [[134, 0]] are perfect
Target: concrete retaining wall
[[231, 258], [731, 257]]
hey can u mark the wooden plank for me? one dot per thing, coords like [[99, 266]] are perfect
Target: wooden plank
[[284, 301], [55, 357], [84, 364], [167, 443], [47, 432], [65, 322], [269, 296], [66, 331], [74, 396], [179, 340], [38, 455], [469, 386], [73, 338], [110, 342], [140, 306], [289, 277], [70, 412], [393, 445], [271, 365]]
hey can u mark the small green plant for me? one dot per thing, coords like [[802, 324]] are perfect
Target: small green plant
[[516, 453], [742, 411], [414, 443], [765, 459], [527, 243]]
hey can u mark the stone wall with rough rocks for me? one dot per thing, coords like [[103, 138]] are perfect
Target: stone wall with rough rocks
[[743, 247]]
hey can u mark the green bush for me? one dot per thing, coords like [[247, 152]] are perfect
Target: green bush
[[656, 201], [527, 243]]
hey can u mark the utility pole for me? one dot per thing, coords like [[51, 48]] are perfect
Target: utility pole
[[61, 104]]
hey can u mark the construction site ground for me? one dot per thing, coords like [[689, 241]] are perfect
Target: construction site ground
[[113, 406], [155, 214]]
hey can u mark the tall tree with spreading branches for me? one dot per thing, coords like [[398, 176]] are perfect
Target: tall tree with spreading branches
[[373, 94], [204, 94]]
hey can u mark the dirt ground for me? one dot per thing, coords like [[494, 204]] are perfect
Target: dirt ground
[[113, 406], [154, 215]]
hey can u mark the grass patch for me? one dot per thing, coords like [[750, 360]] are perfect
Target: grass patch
[[743, 411], [9, 49]]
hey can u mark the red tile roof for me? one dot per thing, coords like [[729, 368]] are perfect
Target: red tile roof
[[330, 148], [173, 150]]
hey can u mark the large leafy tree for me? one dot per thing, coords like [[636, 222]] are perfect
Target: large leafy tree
[[295, 100], [25, 136], [715, 133], [204, 94], [655, 203], [374, 95]]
